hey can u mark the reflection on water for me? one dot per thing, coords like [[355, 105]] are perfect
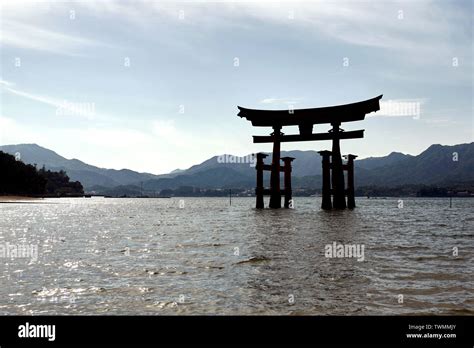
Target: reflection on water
[[149, 256]]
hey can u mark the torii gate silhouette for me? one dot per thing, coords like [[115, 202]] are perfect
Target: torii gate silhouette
[[305, 119]]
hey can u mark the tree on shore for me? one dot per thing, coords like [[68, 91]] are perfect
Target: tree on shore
[[18, 178], [57, 183]]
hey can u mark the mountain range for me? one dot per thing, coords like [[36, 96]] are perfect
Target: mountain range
[[437, 165]]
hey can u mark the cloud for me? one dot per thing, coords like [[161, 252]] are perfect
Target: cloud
[[166, 131], [26, 36], [6, 83], [396, 26], [63, 107], [12, 132]]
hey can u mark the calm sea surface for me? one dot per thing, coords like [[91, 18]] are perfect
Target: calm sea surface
[[151, 256]]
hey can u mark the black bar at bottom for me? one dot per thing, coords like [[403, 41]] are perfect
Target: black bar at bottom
[[224, 330]]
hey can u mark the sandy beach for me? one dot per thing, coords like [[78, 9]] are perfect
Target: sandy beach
[[9, 199]]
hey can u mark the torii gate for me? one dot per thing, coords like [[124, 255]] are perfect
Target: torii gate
[[305, 119]]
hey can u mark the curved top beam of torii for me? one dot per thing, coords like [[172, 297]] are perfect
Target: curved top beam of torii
[[329, 114]]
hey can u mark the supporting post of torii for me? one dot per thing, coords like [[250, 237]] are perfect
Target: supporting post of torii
[[287, 180], [339, 199], [350, 181], [326, 190], [275, 194], [259, 188]]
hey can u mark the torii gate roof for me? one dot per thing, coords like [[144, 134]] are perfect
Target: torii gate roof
[[328, 114]]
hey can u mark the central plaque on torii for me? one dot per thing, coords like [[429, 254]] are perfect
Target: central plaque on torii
[[305, 119]]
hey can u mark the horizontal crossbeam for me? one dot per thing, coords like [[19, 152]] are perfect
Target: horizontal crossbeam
[[309, 137]]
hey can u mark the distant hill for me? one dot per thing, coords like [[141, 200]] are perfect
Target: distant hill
[[216, 177], [435, 165], [307, 163], [377, 162], [87, 174]]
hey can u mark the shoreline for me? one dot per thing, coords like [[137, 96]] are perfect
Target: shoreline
[[16, 198]]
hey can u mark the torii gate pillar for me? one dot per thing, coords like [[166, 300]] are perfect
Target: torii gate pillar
[[350, 181], [326, 191], [259, 189], [275, 194], [339, 199], [287, 180]]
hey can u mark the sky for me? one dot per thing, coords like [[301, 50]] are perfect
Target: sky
[[154, 85]]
